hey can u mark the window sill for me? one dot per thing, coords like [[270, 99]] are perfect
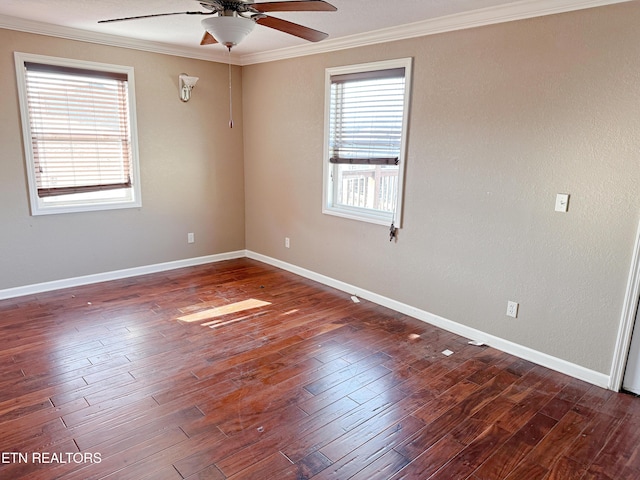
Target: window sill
[[378, 218]]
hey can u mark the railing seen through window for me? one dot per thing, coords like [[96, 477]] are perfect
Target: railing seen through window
[[374, 187]]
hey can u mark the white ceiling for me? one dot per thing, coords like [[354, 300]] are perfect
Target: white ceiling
[[356, 22]]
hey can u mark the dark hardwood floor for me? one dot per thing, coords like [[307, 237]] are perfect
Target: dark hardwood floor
[[122, 380]]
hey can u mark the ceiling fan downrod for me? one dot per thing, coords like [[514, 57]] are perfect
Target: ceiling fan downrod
[[230, 94]]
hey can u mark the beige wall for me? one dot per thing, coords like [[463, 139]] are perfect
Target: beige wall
[[191, 171], [503, 118]]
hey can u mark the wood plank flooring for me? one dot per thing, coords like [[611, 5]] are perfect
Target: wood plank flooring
[[286, 379]]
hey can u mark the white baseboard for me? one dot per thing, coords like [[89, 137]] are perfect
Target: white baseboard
[[548, 361], [116, 274], [520, 351]]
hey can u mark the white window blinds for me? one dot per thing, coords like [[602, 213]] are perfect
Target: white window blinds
[[79, 126], [366, 116]]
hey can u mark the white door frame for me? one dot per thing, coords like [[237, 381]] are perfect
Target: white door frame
[[623, 342]]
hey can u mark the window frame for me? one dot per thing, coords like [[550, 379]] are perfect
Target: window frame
[[364, 214], [46, 205]]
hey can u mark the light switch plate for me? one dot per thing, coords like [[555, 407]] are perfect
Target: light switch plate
[[562, 202]]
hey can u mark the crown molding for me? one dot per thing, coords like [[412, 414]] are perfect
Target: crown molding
[[476, 18], [40, 28], [518, 10]]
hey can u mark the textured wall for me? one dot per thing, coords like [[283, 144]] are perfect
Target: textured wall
[[503, 118], [191, 172]]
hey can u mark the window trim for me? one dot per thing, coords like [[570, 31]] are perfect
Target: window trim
[[359, 213], [38, 205]]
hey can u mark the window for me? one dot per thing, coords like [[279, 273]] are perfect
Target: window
[[366, 115], [78, 124]]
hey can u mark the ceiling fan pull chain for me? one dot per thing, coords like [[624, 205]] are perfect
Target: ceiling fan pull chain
[[230, 94]]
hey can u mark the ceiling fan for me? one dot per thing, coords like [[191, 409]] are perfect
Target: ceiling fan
[[230, 21]]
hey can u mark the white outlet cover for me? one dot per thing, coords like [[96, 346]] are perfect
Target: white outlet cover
[[512, 309]]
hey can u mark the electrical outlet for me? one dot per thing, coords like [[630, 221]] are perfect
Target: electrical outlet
[[191, 238], [512, 309], [287, 242]]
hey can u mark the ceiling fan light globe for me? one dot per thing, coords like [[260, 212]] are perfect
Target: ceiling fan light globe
[[228, 30]]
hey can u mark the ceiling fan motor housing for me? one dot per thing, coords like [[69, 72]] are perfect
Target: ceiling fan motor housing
[[228, 28]]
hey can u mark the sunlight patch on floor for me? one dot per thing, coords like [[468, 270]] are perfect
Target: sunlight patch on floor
[[210, 313]]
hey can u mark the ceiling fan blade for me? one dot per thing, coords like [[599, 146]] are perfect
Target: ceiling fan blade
[[154, 15], [295, 6], [208, 39], [292, 28]]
